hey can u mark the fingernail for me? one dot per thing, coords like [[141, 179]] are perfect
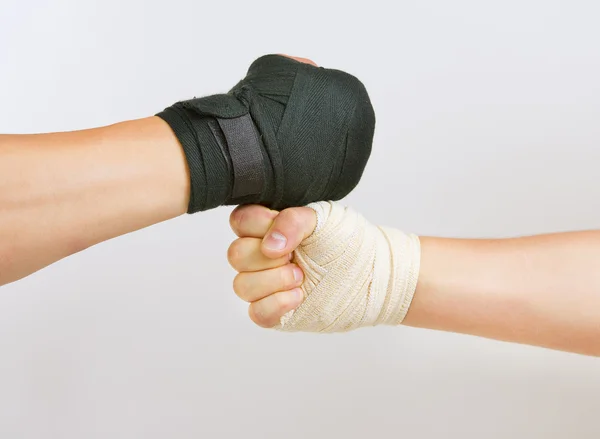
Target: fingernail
[[298, 274], [298, 294], [275, 241]]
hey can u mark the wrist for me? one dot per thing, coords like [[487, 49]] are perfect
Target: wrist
[[447, 285], [467, 286], [170, 167], [147, 156]]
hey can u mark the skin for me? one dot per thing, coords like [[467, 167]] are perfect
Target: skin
[[538, 290], [61, 193]]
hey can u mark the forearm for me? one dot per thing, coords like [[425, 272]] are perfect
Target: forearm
[[541, 290], [63, 192]]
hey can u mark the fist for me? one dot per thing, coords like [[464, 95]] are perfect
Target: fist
[[262, 255]]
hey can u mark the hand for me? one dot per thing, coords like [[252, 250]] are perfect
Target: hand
[[268, 279], [262, 255]]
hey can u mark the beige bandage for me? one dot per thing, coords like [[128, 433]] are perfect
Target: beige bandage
[[356, 274]]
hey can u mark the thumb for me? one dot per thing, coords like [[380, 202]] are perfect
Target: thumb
[[288, 230]]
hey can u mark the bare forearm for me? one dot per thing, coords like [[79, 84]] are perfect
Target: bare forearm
[[542, 290], [63, 192]]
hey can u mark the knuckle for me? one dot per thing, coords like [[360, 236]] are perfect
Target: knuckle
[[240, 286], [236, 218], [234, 254], [293, 218], [258, 317]]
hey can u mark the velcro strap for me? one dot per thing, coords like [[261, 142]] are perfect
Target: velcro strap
[[245, 150]]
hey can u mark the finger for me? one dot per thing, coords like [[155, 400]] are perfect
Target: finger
[[253, 286], [302, 60], [251, 220], [289, 228], [267, 312], [244, 254]]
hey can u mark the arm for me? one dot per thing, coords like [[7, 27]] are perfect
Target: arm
[[540, 290], [63, 192]]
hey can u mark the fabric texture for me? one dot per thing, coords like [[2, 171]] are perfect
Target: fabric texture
[[356, 274], [308, 137]]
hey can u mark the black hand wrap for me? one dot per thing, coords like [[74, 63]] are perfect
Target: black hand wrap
[[286, 135]]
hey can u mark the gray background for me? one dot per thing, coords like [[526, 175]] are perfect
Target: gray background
[[488, 125]]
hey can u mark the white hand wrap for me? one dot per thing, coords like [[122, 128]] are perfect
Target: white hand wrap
[[356, 274]]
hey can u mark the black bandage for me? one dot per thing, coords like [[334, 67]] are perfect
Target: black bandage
[[286, 135]]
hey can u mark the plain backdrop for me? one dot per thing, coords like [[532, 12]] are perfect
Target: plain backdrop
[[488, 125]]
